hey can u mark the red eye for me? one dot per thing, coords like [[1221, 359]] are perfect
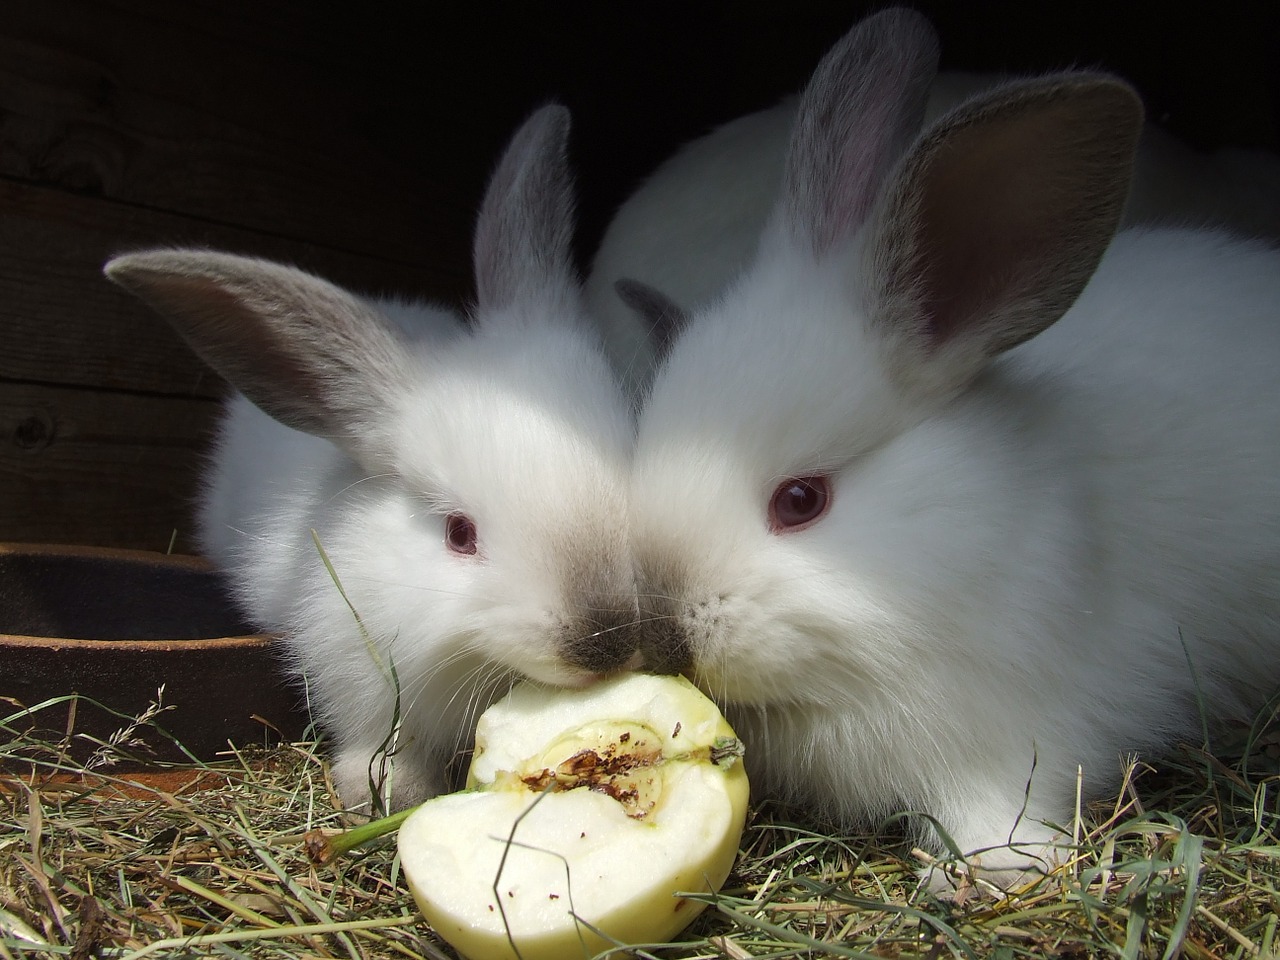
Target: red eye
[[798, 502], [460, 533]]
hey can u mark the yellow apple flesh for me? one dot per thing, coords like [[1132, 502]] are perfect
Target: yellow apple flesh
[[585, 809]]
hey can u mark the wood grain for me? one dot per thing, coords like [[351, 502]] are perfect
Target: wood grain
[[103, 409], [62, 322], [99, 467], [134, 107]]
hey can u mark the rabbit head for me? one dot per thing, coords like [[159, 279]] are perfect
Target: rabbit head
[[466, 487], [817, 521], [886, 281]]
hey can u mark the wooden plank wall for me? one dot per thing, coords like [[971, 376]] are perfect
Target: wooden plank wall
[[131, 125], [356, 143]]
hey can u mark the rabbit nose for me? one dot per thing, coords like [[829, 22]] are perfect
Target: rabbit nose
[[666, 650], [664, 637], [663, 642], [603, 640]]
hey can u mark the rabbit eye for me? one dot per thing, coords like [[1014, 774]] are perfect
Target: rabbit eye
[[798, 502], [460, 533]]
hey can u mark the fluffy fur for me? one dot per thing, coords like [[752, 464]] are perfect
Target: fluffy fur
[[1054, 525], [370, 423], [693, 225]]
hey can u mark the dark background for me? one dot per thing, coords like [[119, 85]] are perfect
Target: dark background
[[355, 140], [641, 78]]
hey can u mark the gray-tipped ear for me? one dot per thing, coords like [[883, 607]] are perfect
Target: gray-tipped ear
[[524, 234], [663, 317], [859, 112], [997, 219], [305, 351]]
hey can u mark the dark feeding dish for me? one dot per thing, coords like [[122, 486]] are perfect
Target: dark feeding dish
[[113, 626]]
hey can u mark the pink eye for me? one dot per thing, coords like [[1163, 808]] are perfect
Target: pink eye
[[460, 534], [798, 502]]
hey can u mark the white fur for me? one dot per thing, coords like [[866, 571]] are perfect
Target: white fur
[[1007, 578], [526, 434], [693, 224], [1053, 565], [517, 422]]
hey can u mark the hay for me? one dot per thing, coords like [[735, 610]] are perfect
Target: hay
[[211, 860]]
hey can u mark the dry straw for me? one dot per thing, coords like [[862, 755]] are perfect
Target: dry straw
[[210, 860]]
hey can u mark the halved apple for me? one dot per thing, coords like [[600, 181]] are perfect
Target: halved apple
[[586, 812]]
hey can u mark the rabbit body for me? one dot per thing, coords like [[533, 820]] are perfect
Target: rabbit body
[[948, 495], [467, 484], [1054, 569]]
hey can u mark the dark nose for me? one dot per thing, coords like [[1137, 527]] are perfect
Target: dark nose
[[663, 642], [603, 639]]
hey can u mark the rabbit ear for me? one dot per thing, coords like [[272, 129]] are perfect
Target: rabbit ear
[[523, 241], [860, 111], [305, 351], [997, 219], [663, 317]]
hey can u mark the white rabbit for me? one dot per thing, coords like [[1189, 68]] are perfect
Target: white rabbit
[[469, 486], [693, 224], [949, 494]]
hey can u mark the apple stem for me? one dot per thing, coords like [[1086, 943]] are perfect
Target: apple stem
[[325, 848]]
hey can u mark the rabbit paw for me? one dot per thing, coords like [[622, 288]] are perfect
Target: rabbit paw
[[401, 781]]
